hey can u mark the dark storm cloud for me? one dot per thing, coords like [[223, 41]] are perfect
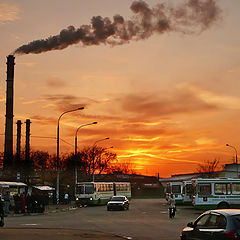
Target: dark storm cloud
[[192, 16]]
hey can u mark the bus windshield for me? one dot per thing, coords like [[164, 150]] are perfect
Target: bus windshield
[[87, 190], [176, 189]]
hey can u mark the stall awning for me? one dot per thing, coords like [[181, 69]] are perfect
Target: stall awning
[[44, 188], [12, 184]]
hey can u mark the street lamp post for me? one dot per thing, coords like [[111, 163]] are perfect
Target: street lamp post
[[75, 165], [58, 170], [236, 158], [93, 177]]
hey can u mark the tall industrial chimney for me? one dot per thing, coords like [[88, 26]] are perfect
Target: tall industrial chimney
[[18, 152], [8, 147]]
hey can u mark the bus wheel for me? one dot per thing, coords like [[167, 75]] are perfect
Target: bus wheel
[[223, 205]]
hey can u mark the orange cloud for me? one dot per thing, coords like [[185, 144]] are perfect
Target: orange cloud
[[8, 13]]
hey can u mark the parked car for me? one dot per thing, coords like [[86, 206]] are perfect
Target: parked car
[[118, 203], [222, 224]]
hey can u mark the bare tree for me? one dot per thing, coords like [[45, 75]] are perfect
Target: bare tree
[[208, 167], [122, 168]]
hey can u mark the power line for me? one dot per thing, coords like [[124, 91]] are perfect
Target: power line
[[46, 137]]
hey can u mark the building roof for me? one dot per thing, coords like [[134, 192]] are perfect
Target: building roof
[[44, 188], [12, 184]]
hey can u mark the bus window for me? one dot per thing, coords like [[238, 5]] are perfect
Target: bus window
[[222, 188], [80, 189], [236, 188], [89, 189], [176, 189], [204, 189]]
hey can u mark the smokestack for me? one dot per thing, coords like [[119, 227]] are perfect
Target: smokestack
[[27, 169], [27, 147], [8, 147], [18, 155]]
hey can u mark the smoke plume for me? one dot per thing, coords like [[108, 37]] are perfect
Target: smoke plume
[[192, 16]]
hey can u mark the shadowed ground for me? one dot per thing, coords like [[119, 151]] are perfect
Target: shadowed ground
[[53, 234]]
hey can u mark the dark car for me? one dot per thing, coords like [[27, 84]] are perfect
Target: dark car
[[222, 224], [118, 203]]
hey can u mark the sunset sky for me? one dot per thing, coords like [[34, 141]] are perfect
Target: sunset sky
[[167, 102]]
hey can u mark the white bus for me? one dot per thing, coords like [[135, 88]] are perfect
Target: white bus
[[98, 193], [175, 188], [216, 193], [187, 192]]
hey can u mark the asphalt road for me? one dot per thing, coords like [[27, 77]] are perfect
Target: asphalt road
[[147, 219]]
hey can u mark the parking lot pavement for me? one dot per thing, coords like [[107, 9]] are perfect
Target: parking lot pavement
[[147, 219], [54, 234]]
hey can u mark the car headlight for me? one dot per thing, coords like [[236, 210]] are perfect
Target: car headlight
[[76, 198], [91, 198]]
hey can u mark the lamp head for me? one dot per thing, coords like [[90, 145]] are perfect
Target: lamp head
[[80, 108], [107, 138], [94, 122], [227, 145]]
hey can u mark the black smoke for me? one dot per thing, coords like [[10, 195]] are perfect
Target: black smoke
[[192, 16]]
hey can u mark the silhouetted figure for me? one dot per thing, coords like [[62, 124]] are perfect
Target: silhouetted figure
[[23, 203], [1, 212], [33, 203], [28, 203], [17, 203], [46, 201], [6, 198]]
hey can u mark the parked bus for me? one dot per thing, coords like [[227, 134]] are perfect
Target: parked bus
[[216, 193], [98, 193], [175, 188], [187, 192]]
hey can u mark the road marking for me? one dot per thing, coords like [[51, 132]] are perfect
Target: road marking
[[129, 238], [30, 224]]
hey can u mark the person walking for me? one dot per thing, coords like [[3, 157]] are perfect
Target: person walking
[[17, 203], [23, 203], [1, 212], [6, 198], [66, 198], [172, 206]]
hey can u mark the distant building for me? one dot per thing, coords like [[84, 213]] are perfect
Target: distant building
[[230, 171]]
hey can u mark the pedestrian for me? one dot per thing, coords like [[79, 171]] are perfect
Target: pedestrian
[[28, 203], [46, 201], [17, 203], [66, 198], [1, 212], [23, 203], [6, 198], [172, 206]]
